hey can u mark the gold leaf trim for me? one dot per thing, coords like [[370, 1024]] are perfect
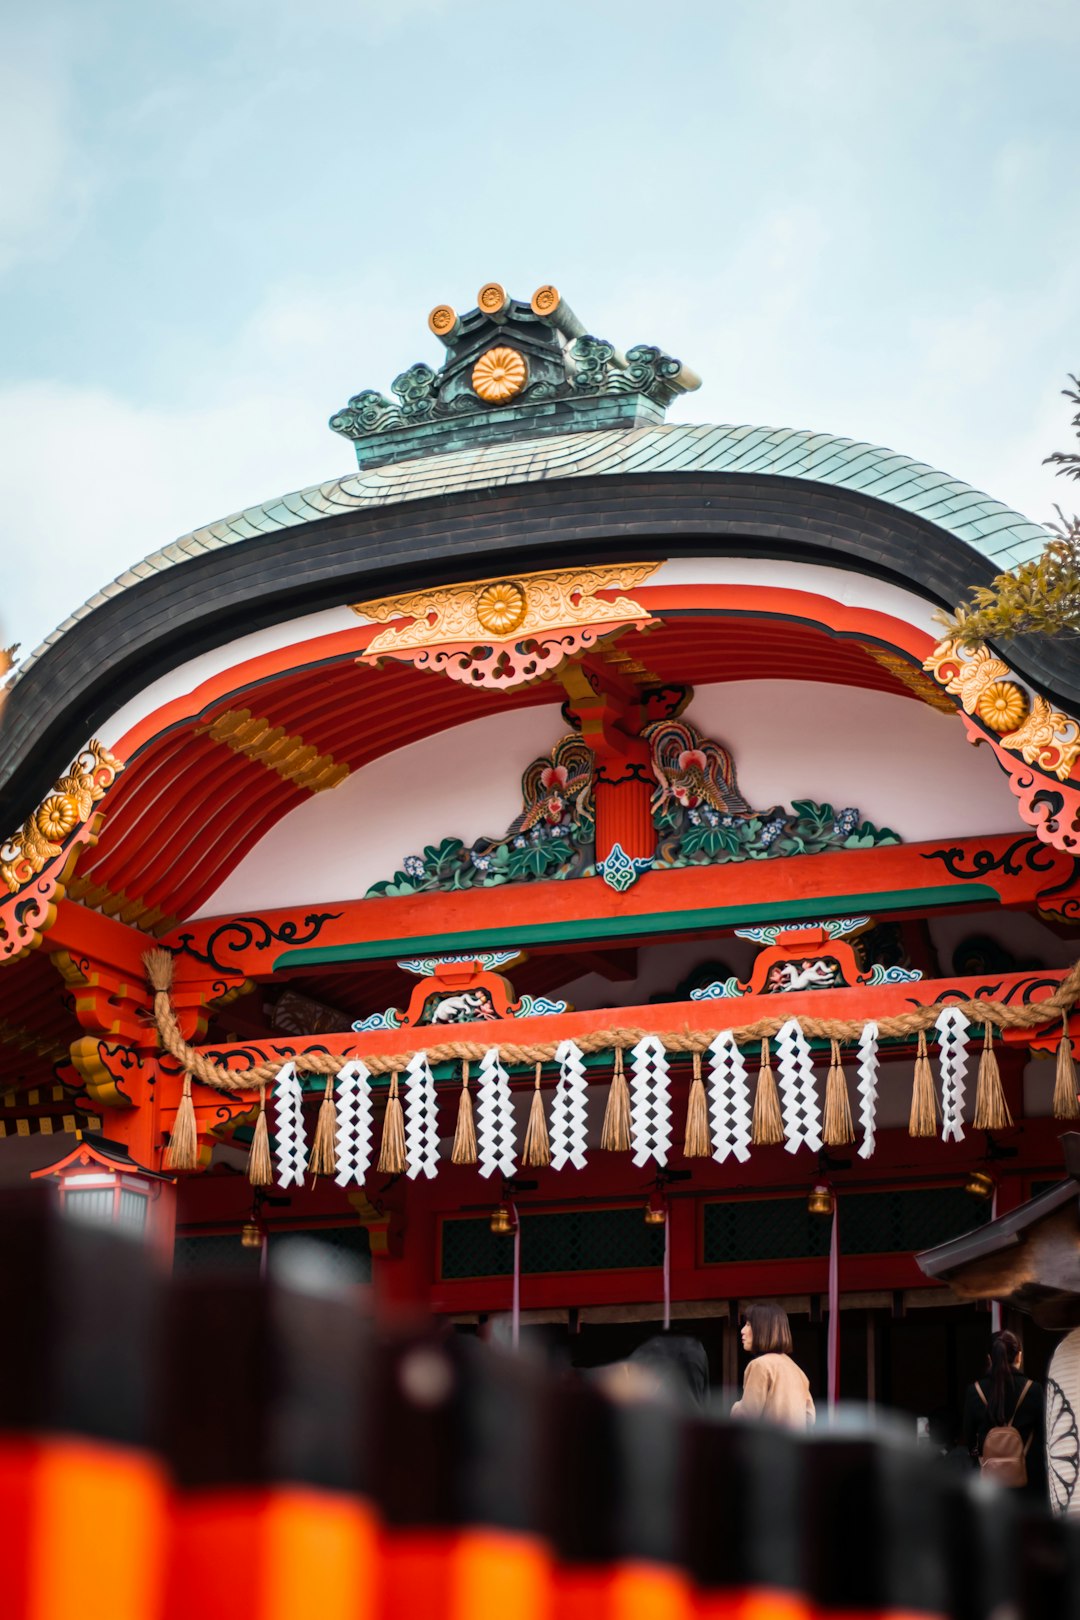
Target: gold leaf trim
[[290, 756], [912, 677]]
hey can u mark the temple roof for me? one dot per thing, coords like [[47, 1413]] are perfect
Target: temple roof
[[1000, 535]]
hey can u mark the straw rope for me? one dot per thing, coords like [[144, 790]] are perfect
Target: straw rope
[[159, 969]]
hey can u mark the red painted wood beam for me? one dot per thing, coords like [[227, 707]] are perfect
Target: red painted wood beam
[[1013, 870]]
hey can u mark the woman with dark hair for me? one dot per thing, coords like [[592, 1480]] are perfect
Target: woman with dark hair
[[1004, 1399], [774, 1388]]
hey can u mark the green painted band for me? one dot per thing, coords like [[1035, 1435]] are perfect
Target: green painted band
[[662, 922]]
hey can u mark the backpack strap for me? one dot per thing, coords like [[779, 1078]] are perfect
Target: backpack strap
[[1020, 1402], [981, 1396]]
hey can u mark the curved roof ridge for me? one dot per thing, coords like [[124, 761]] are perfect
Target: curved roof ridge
[[1000, 535]]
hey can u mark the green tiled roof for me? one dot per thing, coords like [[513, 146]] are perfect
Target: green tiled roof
[[995, 531]]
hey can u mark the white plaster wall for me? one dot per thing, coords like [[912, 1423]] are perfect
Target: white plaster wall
[[462, 783], [902, 764]]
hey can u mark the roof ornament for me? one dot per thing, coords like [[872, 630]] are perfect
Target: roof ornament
[[512, 370]]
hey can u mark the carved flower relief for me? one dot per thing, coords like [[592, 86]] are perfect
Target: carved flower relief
[[58, 816], [1003, 706], [498, 375], [501, 607]]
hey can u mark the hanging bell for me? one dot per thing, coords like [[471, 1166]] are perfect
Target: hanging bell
[[820, 1201], [502, 1220], [656, 1210], [979, 1184], [251, 1235]]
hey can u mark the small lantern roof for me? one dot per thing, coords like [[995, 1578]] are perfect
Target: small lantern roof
[[98, 1152]]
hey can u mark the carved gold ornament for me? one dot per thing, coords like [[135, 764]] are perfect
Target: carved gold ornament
[[498, 375], [501, 608], [545, 300], [1003, 706], [1047, 738], [41, 837], [537, 620], [964, 672], [1043, 736]]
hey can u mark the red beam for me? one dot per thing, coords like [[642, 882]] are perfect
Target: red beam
[[1012, 870]]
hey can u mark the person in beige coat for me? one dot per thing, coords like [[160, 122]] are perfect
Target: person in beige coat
[[774, 1388]]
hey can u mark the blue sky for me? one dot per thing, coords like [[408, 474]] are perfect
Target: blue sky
[[219, 218]]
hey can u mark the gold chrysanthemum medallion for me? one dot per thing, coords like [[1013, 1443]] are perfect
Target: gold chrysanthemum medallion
[[1003, 706], [58, 816], [498, 375], [501, 607]]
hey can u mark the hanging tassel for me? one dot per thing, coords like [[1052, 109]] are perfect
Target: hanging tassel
[[924, 1104], [537, 1150], [183, 1149], [697, 1143], [991, 1109], [838, 1128], [615, 1136], [323, 1160], [464, 1149], [260, 1164], [1066, 1104], [393, 1160], [767, 1129]]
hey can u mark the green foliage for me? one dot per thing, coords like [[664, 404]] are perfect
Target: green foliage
[[699, 836], [1040, 597]]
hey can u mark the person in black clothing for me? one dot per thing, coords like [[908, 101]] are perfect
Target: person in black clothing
[[999, 1398]]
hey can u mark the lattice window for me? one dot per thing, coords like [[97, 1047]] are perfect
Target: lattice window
[[870, 1223], [223, 1251], [574, 1240]]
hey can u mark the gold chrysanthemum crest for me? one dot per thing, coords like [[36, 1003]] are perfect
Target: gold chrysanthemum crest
[[500, 607], [499, 374], [1003, 706]]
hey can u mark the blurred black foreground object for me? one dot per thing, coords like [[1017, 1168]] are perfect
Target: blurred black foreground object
[[173, 1447]]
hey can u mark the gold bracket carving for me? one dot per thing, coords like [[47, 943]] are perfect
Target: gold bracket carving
[[507, 632]]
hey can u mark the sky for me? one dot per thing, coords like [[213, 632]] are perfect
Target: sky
[[220, 218]]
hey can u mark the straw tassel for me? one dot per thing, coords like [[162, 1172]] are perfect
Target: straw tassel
[[767, 1129], [924, 1104], [698, 1141], [1066, 1104], [464, 1149], [838, 1128], [260, 1164], [615, 1136], [323, 1160], [991, 1109], [183, 1150], [393, 1160], [537, 1150]]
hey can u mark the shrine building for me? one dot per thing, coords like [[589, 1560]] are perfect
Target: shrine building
[[559, 865]]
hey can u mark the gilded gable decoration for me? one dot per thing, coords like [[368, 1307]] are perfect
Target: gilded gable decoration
[[506, 633]]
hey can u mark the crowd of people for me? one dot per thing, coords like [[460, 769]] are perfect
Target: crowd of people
[[1002, 1425]]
